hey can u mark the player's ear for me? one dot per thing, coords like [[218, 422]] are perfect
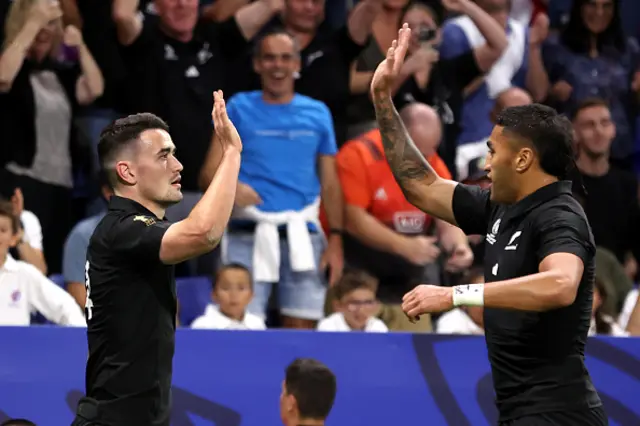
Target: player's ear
[[524, 159], [125, 172]]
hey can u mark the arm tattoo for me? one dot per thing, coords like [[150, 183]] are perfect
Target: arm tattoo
[[407, 163]]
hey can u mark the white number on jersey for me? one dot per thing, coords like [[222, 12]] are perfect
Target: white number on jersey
[[88, 304]]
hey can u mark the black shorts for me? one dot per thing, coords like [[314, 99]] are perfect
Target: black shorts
[[587, 417]]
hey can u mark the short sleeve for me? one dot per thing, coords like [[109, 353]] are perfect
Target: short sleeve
[[73, 258], [138, 237], [459, 71], [564, 231], [327, 144], [454, 41], [353, 176], [471, 208]]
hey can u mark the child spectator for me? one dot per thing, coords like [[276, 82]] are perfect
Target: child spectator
[[465, 319], [356, 304], [231, 294], [23, 288], [601, 323]]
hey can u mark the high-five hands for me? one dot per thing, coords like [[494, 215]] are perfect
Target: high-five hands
[[226, 132], [388, 70]]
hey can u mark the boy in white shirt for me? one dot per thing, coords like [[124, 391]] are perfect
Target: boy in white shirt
[[467, 319], [356, 305], [24, 289], [232, 292]]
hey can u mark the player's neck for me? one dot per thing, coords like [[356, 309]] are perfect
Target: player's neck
[[153, 207], [538, 180], [593, 166]]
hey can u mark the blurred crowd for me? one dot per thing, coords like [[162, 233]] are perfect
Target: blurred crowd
[[321, 236]]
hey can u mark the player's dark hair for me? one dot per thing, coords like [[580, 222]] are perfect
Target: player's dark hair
[[6, 210], [313, 385], [17, 422], [352, 280], [230, 266], [257, 46], [120, 134], [549, 134], [588, 103]]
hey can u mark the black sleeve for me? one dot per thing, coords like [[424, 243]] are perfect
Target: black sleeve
[[460, 70], [564, 231], [348, 47], [138, 237], [471, 208]]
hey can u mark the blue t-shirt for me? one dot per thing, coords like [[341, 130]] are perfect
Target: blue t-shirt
[[281, 145]]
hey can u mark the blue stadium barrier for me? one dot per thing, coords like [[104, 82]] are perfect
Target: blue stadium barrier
[[232, 378], [194, 294]]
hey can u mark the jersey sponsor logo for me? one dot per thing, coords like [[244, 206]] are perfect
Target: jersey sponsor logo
[[514, 237], [145, 219], [494, 270], [313, 56], [491, 237], [409, 222]]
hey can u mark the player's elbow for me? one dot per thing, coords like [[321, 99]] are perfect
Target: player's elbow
[[565, 290]]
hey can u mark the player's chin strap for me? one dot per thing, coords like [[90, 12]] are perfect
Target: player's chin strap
[[468, 295]]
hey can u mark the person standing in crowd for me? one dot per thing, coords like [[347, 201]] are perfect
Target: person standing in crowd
[[308, 392], [539, 263], [130, 276], [41, 86], [287, 165]]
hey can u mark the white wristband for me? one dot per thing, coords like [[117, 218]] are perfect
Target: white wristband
[[468, 295]]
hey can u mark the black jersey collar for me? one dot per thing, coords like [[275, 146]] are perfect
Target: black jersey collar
[[538, 197], [129, 205]]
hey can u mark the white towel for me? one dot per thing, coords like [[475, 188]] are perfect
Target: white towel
[[266, 245]]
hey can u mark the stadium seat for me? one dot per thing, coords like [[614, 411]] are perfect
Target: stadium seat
[[194, 294]]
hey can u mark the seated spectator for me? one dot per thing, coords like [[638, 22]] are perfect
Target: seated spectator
[[601, 323], [287, 163], [46, 73], [231, 294], [29, 246], [614, 278], [23, 288], [356, 305], [440, 83], [465, 319], [611, 199], [629, 318], [519, 65], [593, 57], [75, 251], [386, 235]]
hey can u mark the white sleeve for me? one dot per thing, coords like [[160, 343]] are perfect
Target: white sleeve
[[325, 325], [379, 326], [451, 322], [201, 323], [53, 302], [32, 229]]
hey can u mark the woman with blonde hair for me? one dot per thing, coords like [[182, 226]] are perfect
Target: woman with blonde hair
[[45, 73]]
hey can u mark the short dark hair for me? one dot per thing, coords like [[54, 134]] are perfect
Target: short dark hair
[[352, 280], [226, 267], [588, 103], [6, 210], [120, 134], [549, 133], [257, 47], [18, 422], [313, 385]]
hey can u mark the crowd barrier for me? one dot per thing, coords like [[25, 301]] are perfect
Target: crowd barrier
[[233, 378]]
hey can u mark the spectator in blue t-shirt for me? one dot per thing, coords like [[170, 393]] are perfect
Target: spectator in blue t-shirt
[[287, 163], [75, 250], [520, 65]]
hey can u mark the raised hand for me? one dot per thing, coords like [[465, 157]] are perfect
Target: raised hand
[[72, 36], [226, 132], [388, 70], [455, 5], [44, 11]]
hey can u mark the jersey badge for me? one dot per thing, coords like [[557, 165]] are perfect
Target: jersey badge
[[145, 219]]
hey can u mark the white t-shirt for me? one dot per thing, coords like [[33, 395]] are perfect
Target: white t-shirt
[[456, 321], [627, 309], [32, 229], [213, 319], [25, 290], [336, 322], [616, 330]]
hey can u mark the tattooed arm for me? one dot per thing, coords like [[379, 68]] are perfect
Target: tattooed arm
[[419, 182]]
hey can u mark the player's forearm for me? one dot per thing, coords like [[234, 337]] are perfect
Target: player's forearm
[[211, 215], [538, 292], [409, 167]]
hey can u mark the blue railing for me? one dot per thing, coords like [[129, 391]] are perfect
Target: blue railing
[[233, 378]]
